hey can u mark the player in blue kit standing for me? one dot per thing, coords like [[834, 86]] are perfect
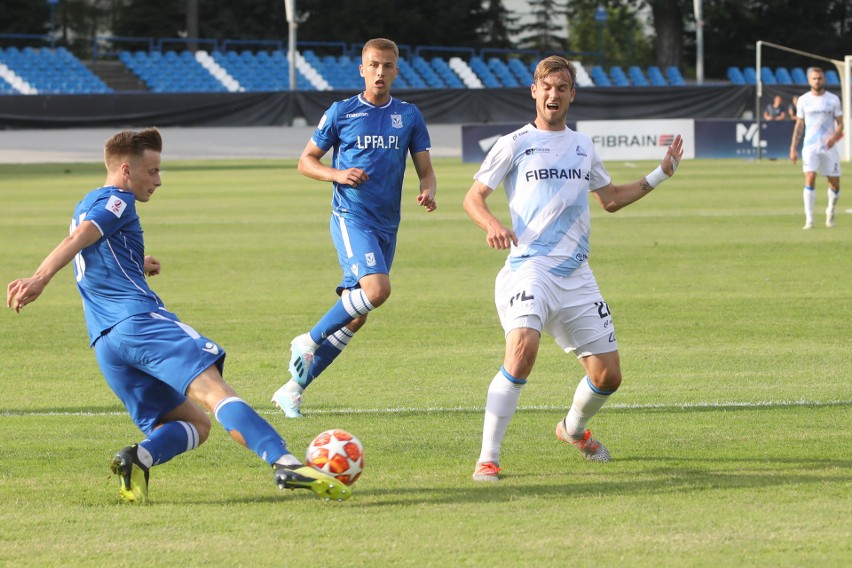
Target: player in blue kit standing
[[372, 135], [164, 372], [546, 283]]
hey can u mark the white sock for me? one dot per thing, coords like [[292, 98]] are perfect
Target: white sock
[[503, 395], [587, 401], [833, 196], [809, 197], [293, 386], [287, 459]]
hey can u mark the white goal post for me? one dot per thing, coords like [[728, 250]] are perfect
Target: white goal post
[[844, 70]]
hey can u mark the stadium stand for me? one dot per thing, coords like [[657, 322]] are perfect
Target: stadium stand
[[619, 79], [736, 76], [637, 76], [599, 77], [767, 76], [831, 78], [49, 71], [655, 75], [799, 76], [782, 75], [674, 76], [750, 75], [523, 75], [484, 73], [318, 67], [463, 70], [583, 78]]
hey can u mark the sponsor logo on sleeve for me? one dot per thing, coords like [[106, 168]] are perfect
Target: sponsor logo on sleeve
[[116, 206]]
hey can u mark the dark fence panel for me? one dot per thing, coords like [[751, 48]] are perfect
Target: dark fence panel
[[458, 106]]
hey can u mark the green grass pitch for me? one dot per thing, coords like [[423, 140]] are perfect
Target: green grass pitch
[[730, 436]]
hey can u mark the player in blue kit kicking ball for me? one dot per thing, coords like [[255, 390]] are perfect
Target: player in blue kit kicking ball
[[372, 134], [165, 373]]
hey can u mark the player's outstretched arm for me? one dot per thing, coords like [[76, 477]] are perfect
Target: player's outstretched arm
[[614, 197], [497, 235], [25, 291]]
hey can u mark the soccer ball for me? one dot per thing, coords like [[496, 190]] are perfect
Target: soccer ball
[[337, 453]]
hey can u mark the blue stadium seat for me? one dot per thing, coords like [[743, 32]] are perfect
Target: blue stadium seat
[[831, 78], [521, 71], [619, 79], [173, 73], [767, 76], [750, 75], [408, 74], [674, 76], [501, 71], [442, 68], [599, 76], [485, 75], [636, 76], [52, 71], [783, 76], [433, 81], [735, 76], [656, 76], [798, 75]]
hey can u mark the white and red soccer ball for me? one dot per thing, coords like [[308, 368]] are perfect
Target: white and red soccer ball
[[337, 453]]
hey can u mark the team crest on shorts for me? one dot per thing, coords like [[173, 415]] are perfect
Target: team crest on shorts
[[371, 259], [396, 120]]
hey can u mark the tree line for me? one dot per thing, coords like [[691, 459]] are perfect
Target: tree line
[[640, 32]]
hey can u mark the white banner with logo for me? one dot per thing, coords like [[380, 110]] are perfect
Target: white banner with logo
[[638, 139]]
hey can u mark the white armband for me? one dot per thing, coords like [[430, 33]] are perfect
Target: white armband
[[656, 177]]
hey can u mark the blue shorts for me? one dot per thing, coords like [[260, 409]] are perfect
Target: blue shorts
[[361, 250], [150, 359]]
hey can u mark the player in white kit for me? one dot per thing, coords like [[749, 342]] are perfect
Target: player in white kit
[[819, 115], [546, 284]]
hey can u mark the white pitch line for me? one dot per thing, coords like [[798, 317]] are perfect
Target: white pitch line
[[470, 409]]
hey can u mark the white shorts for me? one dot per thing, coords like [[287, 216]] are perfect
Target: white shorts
[[570, 309], [824, 161]]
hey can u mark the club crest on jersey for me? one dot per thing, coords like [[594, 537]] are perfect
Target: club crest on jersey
[[116, 206], [396, 120], [581, 152]]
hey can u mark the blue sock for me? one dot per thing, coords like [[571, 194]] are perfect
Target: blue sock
[[169, 440], [327, 352], [347, 308], [261, 438]]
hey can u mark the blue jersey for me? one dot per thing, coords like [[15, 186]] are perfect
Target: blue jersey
[[109, 273], [376, 140]]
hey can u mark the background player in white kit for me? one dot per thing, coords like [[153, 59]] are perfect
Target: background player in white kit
[[546, 284], [819, 115], [372, 135]]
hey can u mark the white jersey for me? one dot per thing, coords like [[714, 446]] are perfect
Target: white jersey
[[547, 177], [820, 114]]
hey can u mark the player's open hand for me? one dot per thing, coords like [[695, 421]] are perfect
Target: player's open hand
[[352, 177], [151, 266], [23, 291], [427, 199], [673, 156]]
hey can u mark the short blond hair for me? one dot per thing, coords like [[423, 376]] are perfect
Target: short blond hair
[[382, 44], [554, 64]]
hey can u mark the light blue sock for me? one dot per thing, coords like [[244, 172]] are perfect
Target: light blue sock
[[347, 308], [261, 438], [328, 351], [169, 440]]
